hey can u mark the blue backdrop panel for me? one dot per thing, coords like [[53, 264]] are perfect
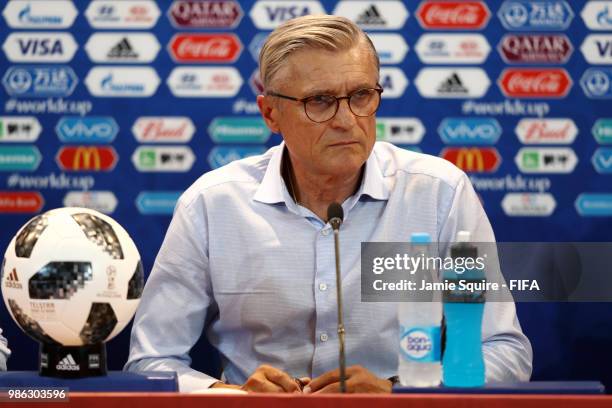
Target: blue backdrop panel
[[120, 106]]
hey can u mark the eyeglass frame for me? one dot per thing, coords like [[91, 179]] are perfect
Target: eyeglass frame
[[348, 97]]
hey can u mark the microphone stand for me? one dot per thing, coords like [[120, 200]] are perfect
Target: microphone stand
[[335, 222]]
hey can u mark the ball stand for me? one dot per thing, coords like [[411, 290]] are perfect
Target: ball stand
[[72, 361]]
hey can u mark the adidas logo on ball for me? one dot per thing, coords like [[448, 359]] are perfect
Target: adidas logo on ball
[[68, 364]]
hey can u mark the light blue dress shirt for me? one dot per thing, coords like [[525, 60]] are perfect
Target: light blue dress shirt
[[254, 270], [4, 352]]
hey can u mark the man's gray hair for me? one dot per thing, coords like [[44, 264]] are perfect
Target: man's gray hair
[[309, 32]]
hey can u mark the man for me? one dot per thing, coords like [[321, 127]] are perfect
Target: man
[[4, 352], [249, 257]]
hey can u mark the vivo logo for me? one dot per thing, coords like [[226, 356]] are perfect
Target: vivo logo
[[466, 131], [76, 129]]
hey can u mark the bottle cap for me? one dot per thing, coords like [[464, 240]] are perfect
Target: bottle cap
[[464, 236], [420, 238]]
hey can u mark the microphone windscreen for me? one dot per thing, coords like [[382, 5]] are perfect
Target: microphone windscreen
[[335, 211]]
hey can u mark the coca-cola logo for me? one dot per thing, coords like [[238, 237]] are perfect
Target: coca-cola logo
[[213, 48], [205, 13], [535, 48], [453, 15], [535, 83]]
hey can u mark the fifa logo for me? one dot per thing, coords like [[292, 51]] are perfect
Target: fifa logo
[[111, 274]]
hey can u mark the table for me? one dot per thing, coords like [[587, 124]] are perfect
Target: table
[[172, 400]]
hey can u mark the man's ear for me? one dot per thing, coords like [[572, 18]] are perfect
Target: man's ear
[[269, 112]]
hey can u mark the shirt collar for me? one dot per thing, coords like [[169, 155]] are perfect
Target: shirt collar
[[273, 190]]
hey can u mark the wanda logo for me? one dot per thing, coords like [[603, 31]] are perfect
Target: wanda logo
[[453, 15], [213, 48], [535, 83]]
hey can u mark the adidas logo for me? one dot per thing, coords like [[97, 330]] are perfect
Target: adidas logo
[[12, 280], [371, 16], [452, 84], [123, 49], [68, 364]]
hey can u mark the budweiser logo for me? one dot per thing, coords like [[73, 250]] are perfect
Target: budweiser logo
[[553, 83], [541, 131], [163, 129], [453, 15], [546, 131], [155, 130], [205, 47]]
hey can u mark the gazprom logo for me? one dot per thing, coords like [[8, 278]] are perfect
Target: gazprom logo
[[222, 155], [157, 202], [39, 14], [470, 131], [77, 129]]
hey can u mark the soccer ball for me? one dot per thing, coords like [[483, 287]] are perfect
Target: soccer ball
[[72, 276]]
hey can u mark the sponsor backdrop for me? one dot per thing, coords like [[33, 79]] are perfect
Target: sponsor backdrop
[[120, 105]]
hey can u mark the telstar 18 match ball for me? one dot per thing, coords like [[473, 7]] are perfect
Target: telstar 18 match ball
[[72, 276]]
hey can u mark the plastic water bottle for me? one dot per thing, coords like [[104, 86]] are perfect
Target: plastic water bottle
[[463, 363], [419, 323]]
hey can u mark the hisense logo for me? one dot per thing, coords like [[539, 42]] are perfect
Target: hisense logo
[[68, 364]]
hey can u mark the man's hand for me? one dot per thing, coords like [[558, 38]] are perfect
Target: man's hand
[[270, 379], [358, 379]]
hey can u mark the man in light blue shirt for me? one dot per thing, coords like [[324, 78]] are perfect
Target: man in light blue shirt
[[249, 256], [4, 352]]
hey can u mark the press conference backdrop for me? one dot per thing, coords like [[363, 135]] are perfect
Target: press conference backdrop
[[121, 105]]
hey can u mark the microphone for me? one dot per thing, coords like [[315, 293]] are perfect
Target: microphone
[[335, 215]]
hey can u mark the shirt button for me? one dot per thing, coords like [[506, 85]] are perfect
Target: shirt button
[[322, 287], [325, 231], [323, 337]]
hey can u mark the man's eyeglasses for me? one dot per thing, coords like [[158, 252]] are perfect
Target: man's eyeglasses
[[321, 108]]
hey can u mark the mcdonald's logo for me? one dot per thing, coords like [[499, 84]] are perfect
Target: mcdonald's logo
[[87, 158], [472, 159]]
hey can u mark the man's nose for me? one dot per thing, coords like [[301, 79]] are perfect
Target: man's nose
[[345, 118]]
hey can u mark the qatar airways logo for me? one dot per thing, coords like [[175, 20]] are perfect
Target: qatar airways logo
[[546, 131], [535, 48], [535, 83], [453, 15], [212, 48]]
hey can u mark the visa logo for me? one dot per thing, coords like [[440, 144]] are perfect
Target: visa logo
[[40, 47], [475, 131], [286, 13], [604, 48]]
